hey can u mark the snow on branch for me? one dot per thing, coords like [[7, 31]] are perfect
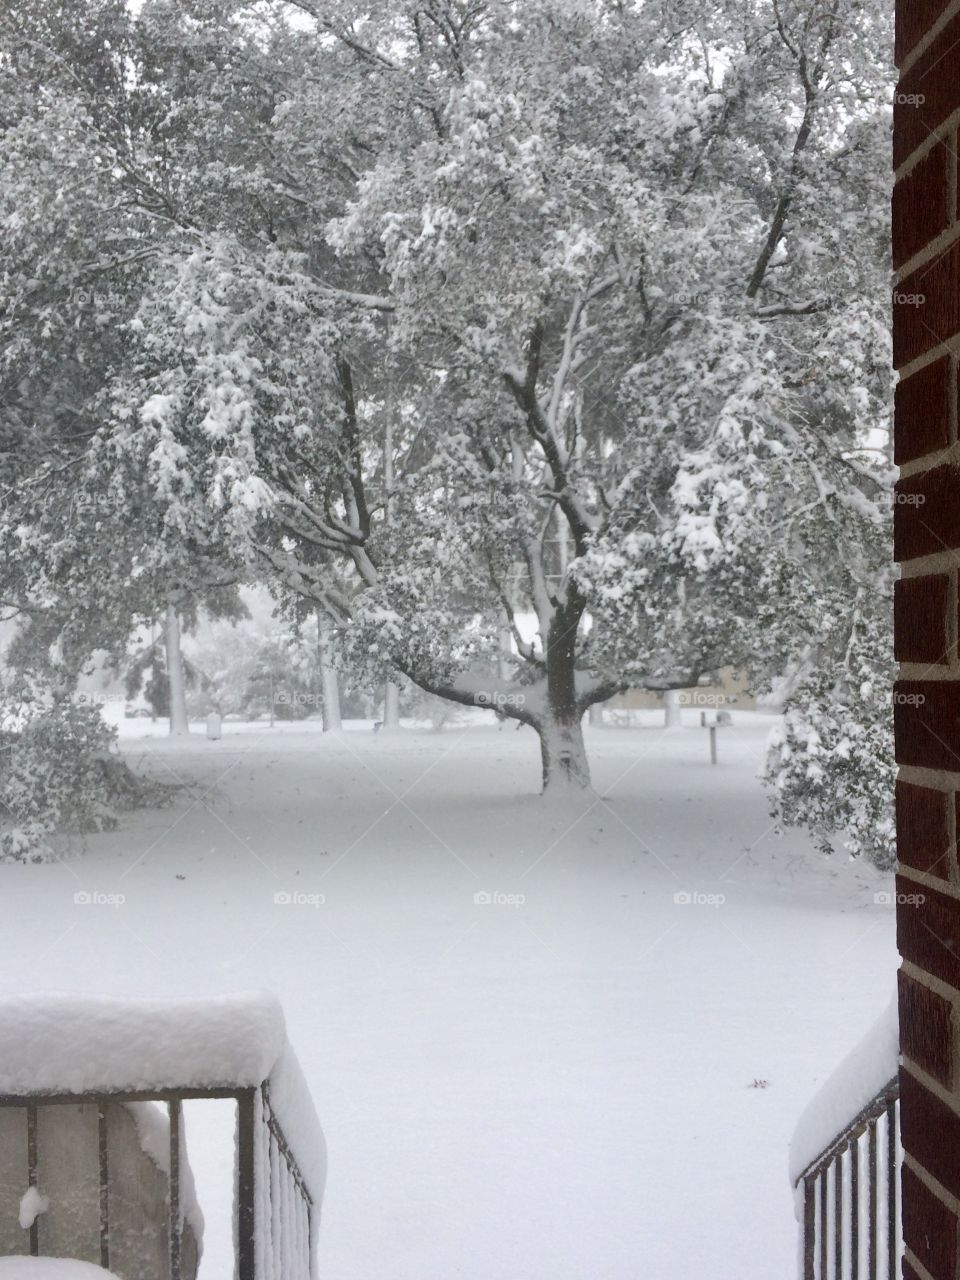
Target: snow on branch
[[370, 301], [793, 308]]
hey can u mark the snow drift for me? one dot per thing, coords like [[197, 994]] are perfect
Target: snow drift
[[870, 1066]]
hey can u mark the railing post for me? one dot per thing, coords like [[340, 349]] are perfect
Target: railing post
[[246, 1186], [855, 1210], [104, 1165], [311, 1251], [809, 1228], [892, 1217], [175, 1113], [872, 1175], [32, 1176]]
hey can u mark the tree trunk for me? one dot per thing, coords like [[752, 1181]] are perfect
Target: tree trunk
[[391, 694], [175, 682], [673, 716], [391, 706], [329, 682], [563, 756], [562, 750]]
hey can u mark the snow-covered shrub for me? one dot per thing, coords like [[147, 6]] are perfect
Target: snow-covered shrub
[[831, 764], [58, 773]]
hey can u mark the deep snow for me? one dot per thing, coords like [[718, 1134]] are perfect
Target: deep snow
[[546, 1043]]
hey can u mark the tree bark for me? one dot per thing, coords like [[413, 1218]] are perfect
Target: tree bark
[[391, 706], [562, 751], [563, 756], [179, 725], [391, 693], [329, 683]]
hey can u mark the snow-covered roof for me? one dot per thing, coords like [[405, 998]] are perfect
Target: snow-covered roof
[[51, 1269], [59, 1043], [859, 1078]]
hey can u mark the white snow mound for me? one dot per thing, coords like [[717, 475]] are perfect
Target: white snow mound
[[32, 1204], [870, 1066], [61, 1043]]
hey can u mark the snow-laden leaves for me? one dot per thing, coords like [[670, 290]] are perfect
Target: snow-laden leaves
[[445, 317], [831, 765]]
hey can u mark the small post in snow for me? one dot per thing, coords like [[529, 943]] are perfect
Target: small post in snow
[[713, 744]]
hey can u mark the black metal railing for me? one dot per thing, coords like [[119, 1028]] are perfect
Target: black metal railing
[[851, 1198], [284, 1235], [274, 1227]]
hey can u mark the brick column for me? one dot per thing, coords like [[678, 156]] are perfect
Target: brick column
[[926, 323]]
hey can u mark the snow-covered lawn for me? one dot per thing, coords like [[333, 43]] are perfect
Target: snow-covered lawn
[[546, 1042]]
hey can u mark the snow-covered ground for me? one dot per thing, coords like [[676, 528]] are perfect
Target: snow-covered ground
[[546, 1042]]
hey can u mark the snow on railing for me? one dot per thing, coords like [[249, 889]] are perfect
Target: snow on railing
[[845, 1165], [98, 1056]]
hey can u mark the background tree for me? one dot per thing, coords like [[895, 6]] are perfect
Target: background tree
[[609, 270]]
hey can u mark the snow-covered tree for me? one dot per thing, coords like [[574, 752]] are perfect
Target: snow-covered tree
[[612, 274], [831, 765]]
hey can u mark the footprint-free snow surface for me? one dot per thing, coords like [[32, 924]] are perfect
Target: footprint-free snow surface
[[547, 1040]]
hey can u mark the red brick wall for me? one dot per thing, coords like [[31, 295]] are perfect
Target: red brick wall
[[926, 321]]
